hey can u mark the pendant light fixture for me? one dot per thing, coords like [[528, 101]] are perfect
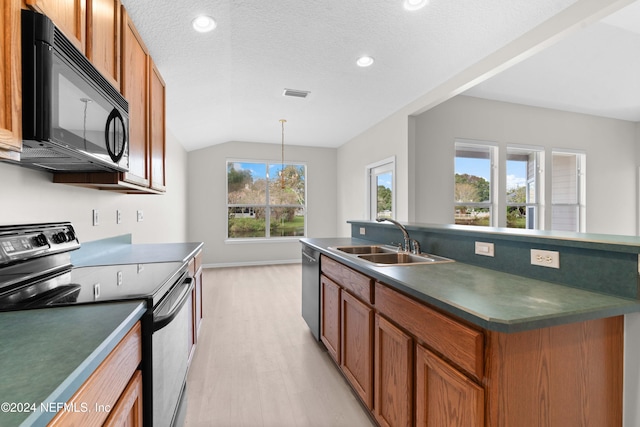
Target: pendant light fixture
[[282, 122]]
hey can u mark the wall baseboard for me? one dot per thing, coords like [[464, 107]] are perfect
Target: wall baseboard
[[252, 263]]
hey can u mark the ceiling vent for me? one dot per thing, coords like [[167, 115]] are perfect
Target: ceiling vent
[[296, 93]]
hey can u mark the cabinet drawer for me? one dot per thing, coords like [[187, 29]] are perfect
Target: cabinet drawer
[[356, 283], [459, 343]]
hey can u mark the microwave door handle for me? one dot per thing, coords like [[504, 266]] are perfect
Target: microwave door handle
[[163, 320]]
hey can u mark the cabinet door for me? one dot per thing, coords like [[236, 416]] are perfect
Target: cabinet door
[[135, 79], [68, 15], [330, 316], [357, 346], [128, 410], [157, 127], [444, 396], [10, 81], [393, 377], [103, 38]]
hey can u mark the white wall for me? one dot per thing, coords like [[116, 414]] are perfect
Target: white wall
[[386, 139], [609, 145], [207, 201], [29, 196]]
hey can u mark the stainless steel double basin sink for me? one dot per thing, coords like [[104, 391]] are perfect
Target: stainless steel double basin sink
[[382, 255]]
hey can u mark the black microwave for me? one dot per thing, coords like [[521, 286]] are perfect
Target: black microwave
[[73, 119]]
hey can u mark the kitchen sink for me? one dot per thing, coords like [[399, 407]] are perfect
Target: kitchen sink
[[403, 258], [383, 255], [366, 249]]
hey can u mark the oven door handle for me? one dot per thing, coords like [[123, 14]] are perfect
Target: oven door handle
[[163, 320]]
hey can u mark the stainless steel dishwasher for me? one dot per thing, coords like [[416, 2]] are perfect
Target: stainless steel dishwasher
[[311, 289]]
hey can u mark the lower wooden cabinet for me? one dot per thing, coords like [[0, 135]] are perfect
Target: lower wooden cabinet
[[444, 396], [128, 410], [357, 346], [393, 379], [330, 317]]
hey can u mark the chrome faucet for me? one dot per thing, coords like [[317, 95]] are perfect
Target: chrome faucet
[[408, 241]]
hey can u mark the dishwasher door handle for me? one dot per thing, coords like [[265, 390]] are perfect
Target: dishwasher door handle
[[309, 258]]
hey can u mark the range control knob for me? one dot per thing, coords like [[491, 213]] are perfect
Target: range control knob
[[40, 240], [71, 236], [60, 237]]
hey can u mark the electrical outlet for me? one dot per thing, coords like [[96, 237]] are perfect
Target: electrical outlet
[[363, 231], [95, 217], [118, 216], [140, 216], [545, 258], [484, 248]]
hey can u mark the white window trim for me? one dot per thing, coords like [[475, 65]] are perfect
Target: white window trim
[[369, 170]]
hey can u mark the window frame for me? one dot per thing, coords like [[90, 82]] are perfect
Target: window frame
[[372, 170], [268, 206], [492, 203], [538, 179], [580, 175]]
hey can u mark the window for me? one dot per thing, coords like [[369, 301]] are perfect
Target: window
[[523, 186], [265, 200], [381, 198], [567, 191], [474, 182]]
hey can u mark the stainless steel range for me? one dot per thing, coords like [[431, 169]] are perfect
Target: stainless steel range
[[36, 272]]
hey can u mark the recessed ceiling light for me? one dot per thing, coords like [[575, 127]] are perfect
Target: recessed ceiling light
[[203, 24], [415, 4], [364, 61]]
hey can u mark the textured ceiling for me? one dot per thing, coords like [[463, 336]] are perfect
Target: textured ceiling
[[593, 71], [227, 85]]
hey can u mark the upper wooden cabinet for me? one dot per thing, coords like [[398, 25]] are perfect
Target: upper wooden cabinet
[[156, 127], [10, 81], [70, 16], [135, 88], [103, 38]]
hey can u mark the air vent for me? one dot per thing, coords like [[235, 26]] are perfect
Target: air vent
[[296, 93]]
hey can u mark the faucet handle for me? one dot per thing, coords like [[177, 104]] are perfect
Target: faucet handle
[[397, 245], [415, 246]]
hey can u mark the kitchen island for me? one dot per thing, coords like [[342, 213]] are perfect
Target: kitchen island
[[459, 344]]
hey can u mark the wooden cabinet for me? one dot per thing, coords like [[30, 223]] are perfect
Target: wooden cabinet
[[10, 81], [393, 378], [135, 88], [68, 15], [112, 385], [156, 128], [103, 38], [346, 324], [128, 410], [330, 316], [357, 346], [445, 396]]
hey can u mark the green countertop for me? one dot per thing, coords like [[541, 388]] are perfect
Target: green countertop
[[47, 354], [491, 299]]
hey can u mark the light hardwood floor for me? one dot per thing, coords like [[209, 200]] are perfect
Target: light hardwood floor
[[257, 364]]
